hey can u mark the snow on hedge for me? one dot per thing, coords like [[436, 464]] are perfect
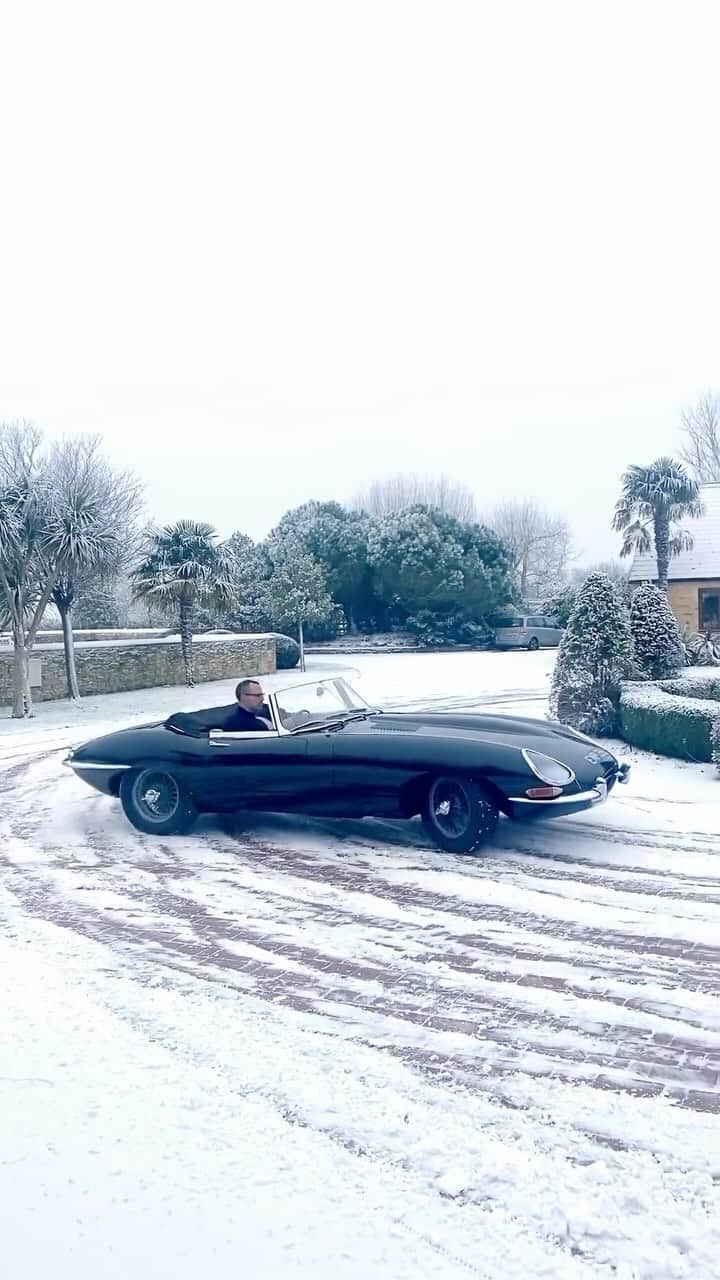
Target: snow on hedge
[[675, 717]]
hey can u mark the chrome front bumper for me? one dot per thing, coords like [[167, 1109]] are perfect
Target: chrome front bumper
[[524, 807]]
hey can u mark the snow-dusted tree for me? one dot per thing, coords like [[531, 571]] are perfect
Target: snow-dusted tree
[[425, 561], [105, 537], [405, 489], [540, 545], [561, 604], [185, 567], [337, 539], [54, 522], [715, 740], [297, 592], [595, 655], [251, 569], [656, 635], [653, 499], [615, 570], [96, 607], [701, 428]]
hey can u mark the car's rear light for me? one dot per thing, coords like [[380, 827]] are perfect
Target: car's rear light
[[543, 793]]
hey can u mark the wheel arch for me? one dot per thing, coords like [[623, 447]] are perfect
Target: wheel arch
[[414, 792], [150, 762]]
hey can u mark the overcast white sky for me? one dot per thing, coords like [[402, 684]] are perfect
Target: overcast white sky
[[273, 251]]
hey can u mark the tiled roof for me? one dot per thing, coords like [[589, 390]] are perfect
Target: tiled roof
[[704, 559]]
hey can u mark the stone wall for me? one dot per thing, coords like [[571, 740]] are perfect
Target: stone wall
[[119, 667]]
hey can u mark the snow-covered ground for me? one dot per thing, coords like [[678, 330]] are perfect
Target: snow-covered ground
[[310, 1048]]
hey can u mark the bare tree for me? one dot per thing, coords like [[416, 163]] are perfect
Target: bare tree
[[615, 570], [701, 428], [406, 489], [540, 545]]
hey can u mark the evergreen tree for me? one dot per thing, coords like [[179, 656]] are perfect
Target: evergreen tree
[[297, 592], [655, 633], [595, 655], [437, 573]]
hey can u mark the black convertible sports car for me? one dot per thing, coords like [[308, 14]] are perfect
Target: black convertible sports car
[[329, 753]]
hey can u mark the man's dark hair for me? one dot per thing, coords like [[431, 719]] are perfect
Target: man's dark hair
[[243, 687]]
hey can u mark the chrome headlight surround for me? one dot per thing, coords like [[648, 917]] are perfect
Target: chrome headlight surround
[[547, 768]]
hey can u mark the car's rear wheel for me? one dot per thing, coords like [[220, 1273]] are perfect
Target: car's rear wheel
[[156, 803], [534, 645], [459, 814]]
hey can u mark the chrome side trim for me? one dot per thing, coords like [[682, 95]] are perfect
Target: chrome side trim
[[223, 737], [81, 765]]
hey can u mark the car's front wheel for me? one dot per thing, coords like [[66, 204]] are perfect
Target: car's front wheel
[[459, 814], [534, 645], [156, 803]]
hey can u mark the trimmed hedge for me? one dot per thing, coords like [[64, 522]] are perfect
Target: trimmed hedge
[[693, 686], [679, 718]]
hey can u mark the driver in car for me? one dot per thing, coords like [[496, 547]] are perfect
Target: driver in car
[[247, 715]]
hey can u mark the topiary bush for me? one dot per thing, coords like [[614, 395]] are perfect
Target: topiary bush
[[664, 718], [657, 641], [594, 657], [287, 651]]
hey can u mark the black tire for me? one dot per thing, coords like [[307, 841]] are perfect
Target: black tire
[[459, 814], [534, 645], [156, 803]]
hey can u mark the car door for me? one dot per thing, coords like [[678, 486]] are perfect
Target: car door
[[285, 772], [535, 629], [553, 631], [373, 763]]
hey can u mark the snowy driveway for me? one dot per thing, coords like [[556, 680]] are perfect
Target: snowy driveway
[[308, 1048]]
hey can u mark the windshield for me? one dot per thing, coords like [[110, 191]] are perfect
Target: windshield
[[326, 701]]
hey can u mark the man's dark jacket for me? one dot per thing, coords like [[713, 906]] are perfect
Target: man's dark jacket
[[241, 721]]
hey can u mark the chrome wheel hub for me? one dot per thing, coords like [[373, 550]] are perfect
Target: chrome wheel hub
[[151, 798]]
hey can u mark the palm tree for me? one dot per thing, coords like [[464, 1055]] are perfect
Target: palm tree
[[79, 537], [185, 566], [91, 527], [653, 499]]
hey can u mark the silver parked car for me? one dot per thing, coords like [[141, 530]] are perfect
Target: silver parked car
[[527, 631]]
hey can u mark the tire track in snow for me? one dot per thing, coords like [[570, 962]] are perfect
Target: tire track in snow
[[464, 961], [523, 1035]]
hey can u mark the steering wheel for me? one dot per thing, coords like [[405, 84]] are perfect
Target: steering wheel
[[299, 717]]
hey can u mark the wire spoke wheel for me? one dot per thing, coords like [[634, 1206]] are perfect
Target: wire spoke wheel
[[459, 813], [450, 808], [156, 796]]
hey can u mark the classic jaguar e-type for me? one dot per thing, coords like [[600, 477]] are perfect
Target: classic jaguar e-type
[[327, 752]]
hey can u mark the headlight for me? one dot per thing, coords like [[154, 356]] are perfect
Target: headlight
[[547, 769]]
